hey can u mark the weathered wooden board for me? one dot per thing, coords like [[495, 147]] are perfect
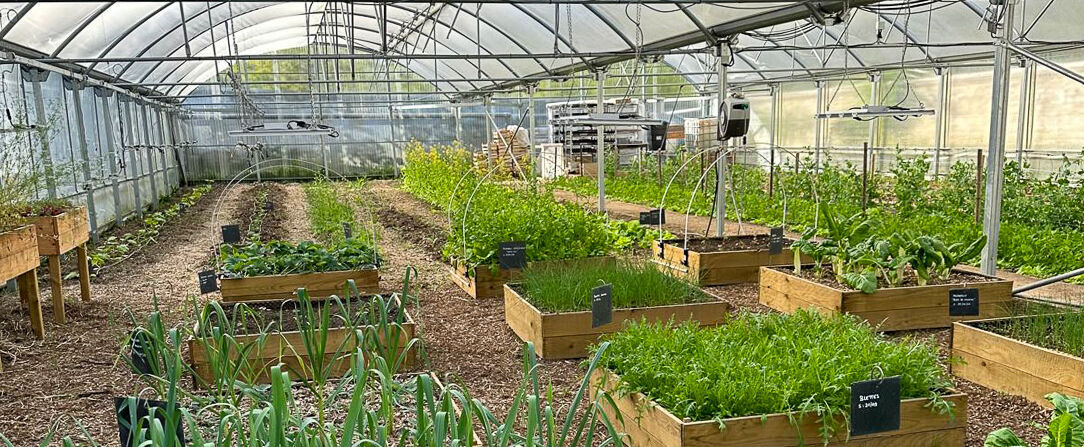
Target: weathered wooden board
[[1012, 366], [720, 267], [278, 287], [288, 348], [895, 309], [648, 424], [567, 335], [18, 252], [61, 233]]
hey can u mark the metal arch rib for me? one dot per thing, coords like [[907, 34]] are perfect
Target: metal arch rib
[[613, 27], [171, 72], [551, 30], [15, 20], [128, 31], [158, 64], [194, 16], [81, 27]]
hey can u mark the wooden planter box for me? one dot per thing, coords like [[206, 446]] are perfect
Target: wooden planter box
[[567, 335], [487, 284], [288, 348], [1012, 366], [283, 287], [716, 268], [649, 424], [61, 233], [895, 309], [18, 252]]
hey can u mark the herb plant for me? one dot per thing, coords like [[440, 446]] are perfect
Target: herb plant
[[760, 364], [1061, 331], [559, 288]]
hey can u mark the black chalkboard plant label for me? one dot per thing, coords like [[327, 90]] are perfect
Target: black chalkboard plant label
[[512, 255], [348, 230], [231, 234], [140, 342], [776, 241], [875, 406], [134, 414], [602, 305], [208, 282], [656, 216], [963, 302]]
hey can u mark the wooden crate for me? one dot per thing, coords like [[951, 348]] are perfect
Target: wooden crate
[[649, 424], [895, 309], [18, 252], [278, 287], [567, 335], [488, 283], [288, 348], [61, 233], [1012, 366], [719, 267]]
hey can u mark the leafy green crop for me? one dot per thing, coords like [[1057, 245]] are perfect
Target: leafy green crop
[[560, 288], [760, 364], [483, 213], [1066, 427], [282, 258]]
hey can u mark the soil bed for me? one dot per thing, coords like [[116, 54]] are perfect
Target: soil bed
[[828, 278], [282, 316], [738, 243]]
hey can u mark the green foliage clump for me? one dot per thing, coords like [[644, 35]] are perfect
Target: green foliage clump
[[328, 210], [558, 288], [1060, 331], [483, 213], [1066, 427], [765, 364], [282, 258]]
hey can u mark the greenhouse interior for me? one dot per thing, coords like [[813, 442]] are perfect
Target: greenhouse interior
[[560, 223]]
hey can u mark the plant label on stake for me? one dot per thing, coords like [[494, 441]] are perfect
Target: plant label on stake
[[602, 305], [875, 406], [208, 282], [140, 341], [963, 302], [231, 234], [348, 231], [775, 241], [656, 216], [512, 255], [134, 413]]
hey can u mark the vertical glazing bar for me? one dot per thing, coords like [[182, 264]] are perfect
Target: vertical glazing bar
[[84, 155], [44, 124], [111, 148], [128, 129], [149, 147]]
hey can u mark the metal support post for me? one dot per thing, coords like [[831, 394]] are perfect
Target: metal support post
[[995, 159], [43, 123], [127, 128], [84, 154], [874, 99], [531, 89], [457, 111], [819, 126], [939, 119], [111, 148], [600, 154], [724, 55], [1025, 107]]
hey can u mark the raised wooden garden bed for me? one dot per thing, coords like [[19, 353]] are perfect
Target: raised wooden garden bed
[[280, 287], [288, 348], [484, 282], [567, 335], [649, 424], [1012, 366], [18, 260], [893, 309], [60, 234], [718, 261]]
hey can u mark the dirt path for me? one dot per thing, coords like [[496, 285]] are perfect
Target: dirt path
[[675, 223], [467, 339], [75, 371], [295, 225]]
